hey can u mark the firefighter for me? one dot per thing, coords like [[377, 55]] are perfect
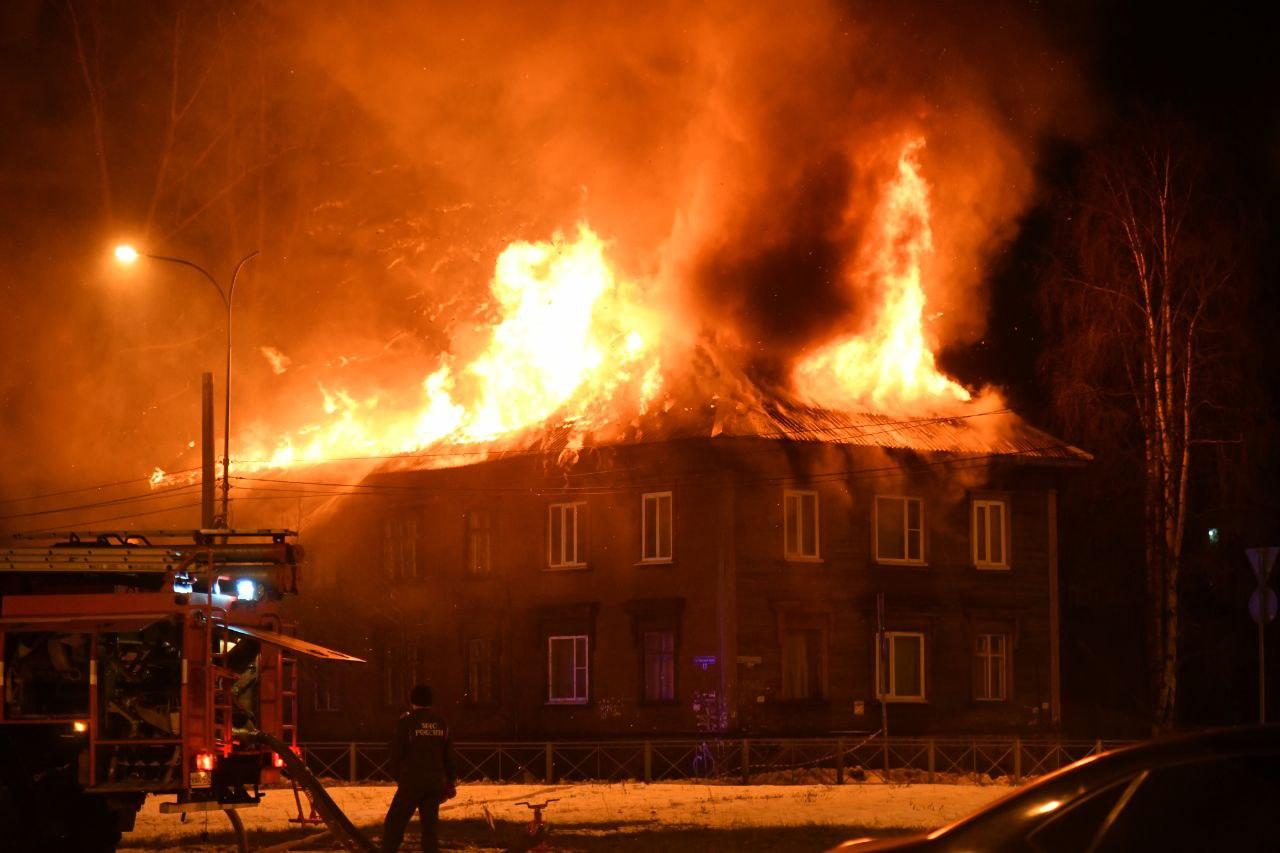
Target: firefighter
[[423, 766]]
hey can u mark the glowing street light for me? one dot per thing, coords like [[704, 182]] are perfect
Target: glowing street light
[[126, 254]]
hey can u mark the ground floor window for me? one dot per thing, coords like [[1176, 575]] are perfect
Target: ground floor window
[[659, 666], [802, 654], [326, 698], [568, 677], [900, 666], [991, 658], [482, 665]]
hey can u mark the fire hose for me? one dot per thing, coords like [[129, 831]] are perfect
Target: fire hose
[[339, 824]]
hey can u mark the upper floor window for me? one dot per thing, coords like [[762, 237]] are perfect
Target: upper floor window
[[900, 666], [400, 547], [566, 535], [800, 524], [479, 541], [655, 527], [899, 529], [802, 664], [568, 676], [990, 662], [990, 534], [482, 665], [659, 666]]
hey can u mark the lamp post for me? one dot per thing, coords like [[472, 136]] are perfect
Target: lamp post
[[127, 255]]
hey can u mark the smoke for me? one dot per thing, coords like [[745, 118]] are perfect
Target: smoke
[[727, 152]]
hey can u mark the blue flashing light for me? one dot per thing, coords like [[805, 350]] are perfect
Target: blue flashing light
[[246, 589]]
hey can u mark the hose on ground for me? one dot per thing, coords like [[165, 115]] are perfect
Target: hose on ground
[[338, 823]]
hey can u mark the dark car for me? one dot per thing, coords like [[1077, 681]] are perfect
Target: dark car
[[1217, 790]]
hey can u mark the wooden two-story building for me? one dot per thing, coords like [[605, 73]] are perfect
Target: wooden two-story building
[[754, 569]]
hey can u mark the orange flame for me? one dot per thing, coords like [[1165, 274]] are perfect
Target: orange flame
[[572, 341], [891, 366]]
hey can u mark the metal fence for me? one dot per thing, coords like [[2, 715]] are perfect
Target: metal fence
[[839, 760]]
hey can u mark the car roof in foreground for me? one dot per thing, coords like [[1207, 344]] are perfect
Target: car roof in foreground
[[1062, 786]]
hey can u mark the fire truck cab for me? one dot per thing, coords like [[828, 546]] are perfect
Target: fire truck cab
[[142, 663]]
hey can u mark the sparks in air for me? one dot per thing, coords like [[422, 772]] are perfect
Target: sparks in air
[[572, 339], [575, 342]]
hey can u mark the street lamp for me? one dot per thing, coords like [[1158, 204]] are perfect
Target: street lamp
[[127, 254]]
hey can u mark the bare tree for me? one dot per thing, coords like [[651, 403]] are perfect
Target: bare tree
[[1140, 317]]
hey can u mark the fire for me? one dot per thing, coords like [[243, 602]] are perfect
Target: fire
[[572, 340], [891, 366]]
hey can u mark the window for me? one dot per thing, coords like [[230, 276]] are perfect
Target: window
[[802, 664], [479, 542], [400, 547], [901, 676], [567, 676], [800, 511], [990, 535], [899, 530], [655, 527], [402, 668], [659, 666], [566, 535], [481, 670], [990, 661], [326, 699]]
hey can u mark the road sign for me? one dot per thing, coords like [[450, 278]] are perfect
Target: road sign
[[1256, 612], [1262, 559]]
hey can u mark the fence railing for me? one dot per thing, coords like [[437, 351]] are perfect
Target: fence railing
[[838, 760]]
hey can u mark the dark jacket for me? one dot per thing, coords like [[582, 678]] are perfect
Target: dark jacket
[[422, 751]]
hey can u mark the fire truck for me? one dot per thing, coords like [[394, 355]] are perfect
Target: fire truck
[[154, 662]]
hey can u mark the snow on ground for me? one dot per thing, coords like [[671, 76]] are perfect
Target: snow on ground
[[616, 805]]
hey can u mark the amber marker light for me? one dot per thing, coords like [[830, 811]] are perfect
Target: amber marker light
[[80, 727]]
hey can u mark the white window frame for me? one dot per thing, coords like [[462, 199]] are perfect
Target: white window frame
[[479, 532], [988, 660], [892, 695], [584, 665], [556, 560], [905, 560], [790, 550], [981, 561], [658, 556]]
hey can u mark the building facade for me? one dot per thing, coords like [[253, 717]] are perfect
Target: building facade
[[758, 581]]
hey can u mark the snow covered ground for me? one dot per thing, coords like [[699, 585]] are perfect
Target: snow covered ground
[[605, 809]]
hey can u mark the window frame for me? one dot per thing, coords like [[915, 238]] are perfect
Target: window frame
[[986, 564], [817, 680], [905, 560], [645, 699], [886, 691], [400, 547], [658, 558], [580, 535], [322, 687], [798, 556], [473, 532], [986, 660], [490, 663], [585, 667]]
